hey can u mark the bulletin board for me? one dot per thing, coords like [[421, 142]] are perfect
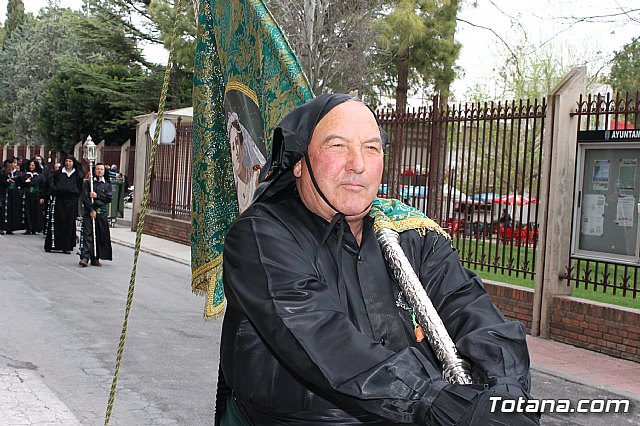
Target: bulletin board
[[605, 224]]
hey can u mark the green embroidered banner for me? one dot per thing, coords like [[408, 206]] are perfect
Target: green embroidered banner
[[246, 80]]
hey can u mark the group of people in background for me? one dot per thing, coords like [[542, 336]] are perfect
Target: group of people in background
[[40, 200]]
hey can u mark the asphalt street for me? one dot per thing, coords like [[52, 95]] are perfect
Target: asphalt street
[[60, 326]]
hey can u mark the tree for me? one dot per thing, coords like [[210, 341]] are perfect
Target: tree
[[146, 21], [625, 68], [163, 13], [99, 100], [417, 45], [32, 55], [15, 16], [332, 40]]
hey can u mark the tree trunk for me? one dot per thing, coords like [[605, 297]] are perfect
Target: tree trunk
[[403, 81], [174, 83]]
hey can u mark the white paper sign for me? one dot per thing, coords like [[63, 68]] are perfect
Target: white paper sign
[[592, 214], [624, 211]]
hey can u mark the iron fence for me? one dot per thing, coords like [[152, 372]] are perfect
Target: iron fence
[[606, 112], [171, 181], [474, 168]]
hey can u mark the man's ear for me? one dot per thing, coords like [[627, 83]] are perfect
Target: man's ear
[[297, 169]]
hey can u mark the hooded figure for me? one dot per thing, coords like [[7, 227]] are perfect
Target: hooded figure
[[10, 196], [65, 190], [316, 330], [33, 183]]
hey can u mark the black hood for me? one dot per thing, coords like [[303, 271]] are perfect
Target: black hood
[[291, 140]]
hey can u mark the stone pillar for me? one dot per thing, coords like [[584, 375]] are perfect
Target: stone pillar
[[77, 151], [99, 156], [124, 156], [142, 164], [556, 196]]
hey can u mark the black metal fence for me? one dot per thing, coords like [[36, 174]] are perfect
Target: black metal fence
[[171, 181], [474, 168]]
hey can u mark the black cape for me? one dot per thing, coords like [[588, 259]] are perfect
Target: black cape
[[297, 350], [63, 211], [104, 192]]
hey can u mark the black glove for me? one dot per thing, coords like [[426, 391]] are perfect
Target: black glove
[[486, 411], [471, 405]]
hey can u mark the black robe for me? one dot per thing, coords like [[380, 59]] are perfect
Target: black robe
[[313, 334], [63, 211], [104, 194], [11, 201], [33, 187]]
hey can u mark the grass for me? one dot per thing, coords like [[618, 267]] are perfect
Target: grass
[[601, 294]]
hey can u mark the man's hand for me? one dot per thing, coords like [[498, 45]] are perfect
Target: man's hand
[[41, 200], [93, 213], [92, 195]]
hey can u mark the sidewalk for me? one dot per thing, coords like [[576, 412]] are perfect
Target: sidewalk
[[557, 359], [121, 234]]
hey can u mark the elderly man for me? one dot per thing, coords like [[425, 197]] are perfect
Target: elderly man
[[316, 329]]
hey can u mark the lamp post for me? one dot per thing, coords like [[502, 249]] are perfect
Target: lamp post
[[90, 154]]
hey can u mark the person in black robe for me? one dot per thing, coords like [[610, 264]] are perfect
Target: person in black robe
[[46, 175], [10, 197], [65, 190], [33, 183], [96, 208], [316, 330]]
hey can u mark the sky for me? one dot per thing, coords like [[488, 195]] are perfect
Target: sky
[[560, 24]]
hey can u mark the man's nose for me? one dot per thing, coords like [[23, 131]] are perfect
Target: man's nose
[[355, 160]]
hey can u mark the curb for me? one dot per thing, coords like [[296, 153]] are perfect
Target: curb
[[589, 383], [151, 251]]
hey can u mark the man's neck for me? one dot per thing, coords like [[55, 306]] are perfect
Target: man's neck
[[356, 225]]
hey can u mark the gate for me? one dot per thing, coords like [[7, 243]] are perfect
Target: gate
[[111, 155], [171, 181], [475, 169]]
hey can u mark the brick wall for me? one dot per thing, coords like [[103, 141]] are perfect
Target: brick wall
[[600, 327], [515, 302], [178, 231]]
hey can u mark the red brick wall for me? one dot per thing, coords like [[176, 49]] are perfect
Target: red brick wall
[[515, 302], [178, 231], [609, 329]]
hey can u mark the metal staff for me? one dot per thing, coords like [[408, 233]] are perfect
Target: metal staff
[[454, 368], [90, 155]]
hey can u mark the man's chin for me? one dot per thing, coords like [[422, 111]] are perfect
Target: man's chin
[[356, 211]]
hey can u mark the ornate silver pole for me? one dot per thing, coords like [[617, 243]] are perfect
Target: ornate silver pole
[[454, 368], [91, 155]]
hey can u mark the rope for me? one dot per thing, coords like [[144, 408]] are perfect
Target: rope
[[143, 213]]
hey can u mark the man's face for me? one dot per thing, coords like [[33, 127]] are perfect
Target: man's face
[[68, 164], [99, 170], [347, 160]]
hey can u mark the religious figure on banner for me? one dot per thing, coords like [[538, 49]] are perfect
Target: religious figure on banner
[[247, 161]]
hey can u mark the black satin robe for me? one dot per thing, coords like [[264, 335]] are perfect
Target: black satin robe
[[296, 349], [104, 194]]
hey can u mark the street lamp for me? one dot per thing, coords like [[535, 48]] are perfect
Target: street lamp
[[90, 154]]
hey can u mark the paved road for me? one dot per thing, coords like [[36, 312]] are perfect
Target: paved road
[[60, 326]]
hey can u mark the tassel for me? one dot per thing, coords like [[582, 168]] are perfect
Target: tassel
[[417, 329]]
